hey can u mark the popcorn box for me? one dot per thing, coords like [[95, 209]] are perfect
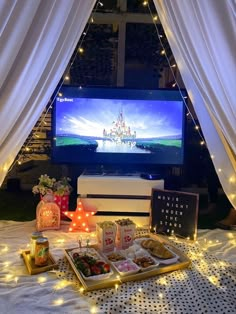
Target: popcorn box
[[125, 233], [106, 235]]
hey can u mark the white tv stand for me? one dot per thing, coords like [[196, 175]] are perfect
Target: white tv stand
[[117, 196]]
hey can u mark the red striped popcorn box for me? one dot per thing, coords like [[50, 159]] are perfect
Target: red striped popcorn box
[[106, 236], [126, 229]]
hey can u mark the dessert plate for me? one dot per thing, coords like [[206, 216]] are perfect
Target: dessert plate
[[126, 267], [97, 261]]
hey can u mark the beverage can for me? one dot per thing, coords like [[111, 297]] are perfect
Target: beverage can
[[41, 251], [34, 237]]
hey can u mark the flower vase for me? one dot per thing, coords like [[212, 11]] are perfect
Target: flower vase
[[63, 202]]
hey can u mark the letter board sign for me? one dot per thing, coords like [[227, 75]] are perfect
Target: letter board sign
[[174, 212]]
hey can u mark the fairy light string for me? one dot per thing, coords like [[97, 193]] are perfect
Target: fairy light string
[[202, 142], [171, 68], [79, 50]]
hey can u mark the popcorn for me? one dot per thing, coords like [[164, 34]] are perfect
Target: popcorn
[[124, 222], [106, 235], [125, 233]]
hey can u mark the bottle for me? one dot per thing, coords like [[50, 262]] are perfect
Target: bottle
[[41, 251], [34, 237]]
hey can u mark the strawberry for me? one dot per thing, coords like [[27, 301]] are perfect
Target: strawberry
[[106, 268], [95, 270], [75, 255], [100, 264]]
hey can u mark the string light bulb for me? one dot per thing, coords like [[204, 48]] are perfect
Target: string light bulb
[[58, 302]]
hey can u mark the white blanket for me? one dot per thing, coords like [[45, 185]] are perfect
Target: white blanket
[[209, 285]]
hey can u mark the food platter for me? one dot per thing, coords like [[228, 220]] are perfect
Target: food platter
[[123, 266], [94, 282], [92, 255], [166, 261]]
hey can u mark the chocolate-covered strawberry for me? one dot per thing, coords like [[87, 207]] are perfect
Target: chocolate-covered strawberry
[[83, 266]]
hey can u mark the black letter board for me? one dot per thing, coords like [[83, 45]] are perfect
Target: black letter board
[[174, 212]]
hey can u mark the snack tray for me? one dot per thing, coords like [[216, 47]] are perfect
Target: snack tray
[[181, 261], [34, 269]]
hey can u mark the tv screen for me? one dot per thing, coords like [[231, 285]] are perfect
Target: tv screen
[[118, 127]]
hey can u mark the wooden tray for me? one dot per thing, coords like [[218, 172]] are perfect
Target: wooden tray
[[33, 269], [89, 285]]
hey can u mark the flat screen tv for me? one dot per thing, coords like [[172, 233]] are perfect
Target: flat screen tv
[[118, 128]]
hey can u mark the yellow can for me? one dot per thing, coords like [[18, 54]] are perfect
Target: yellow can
[[41, 251]]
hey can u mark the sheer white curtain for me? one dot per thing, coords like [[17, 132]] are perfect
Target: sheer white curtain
[[37, 39], [202, 36]]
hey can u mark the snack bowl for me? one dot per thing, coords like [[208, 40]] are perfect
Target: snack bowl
[[115, 256], [146, 262], [126, 267], [166, 261], [134, 251], [90, 264]]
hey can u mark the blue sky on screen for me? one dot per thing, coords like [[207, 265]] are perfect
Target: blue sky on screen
[[89, 117]]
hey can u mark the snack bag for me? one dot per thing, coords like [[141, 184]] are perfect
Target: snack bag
[[106, 235], [125, 233]]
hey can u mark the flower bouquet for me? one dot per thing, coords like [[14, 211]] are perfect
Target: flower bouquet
[[49, 185]]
